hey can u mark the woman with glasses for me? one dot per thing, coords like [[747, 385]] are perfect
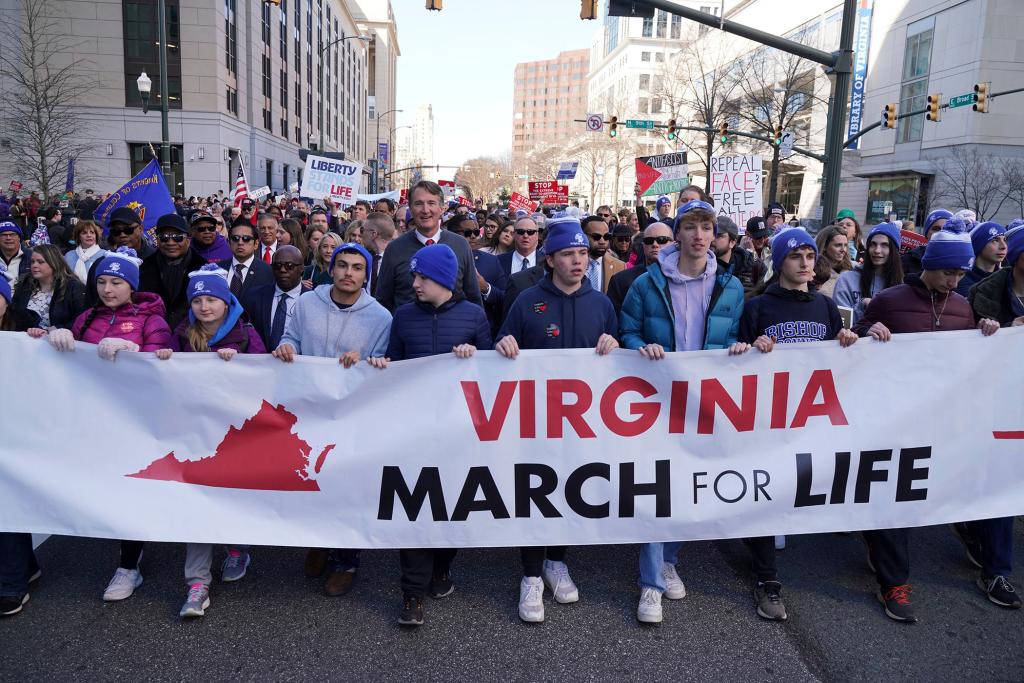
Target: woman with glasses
[[491, 225], [500, 241], [319, 272]]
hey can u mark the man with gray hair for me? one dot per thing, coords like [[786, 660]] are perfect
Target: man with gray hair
[[378, 231], [655, 236], [524, 255]]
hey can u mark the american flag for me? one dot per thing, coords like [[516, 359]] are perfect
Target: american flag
[[241, 189]]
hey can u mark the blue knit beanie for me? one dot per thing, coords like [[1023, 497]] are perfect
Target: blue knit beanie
[[662, 201], [210, 280], [1014, 244], [123, 263], [564, 232], [350, 247], [11, 226], [5, 286], [890, 230], [437, 262], [984, 233], [694, 205], [788, 240], [948, 250], [938, 214]]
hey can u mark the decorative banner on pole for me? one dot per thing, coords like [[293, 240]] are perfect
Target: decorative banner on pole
[[662, 173], [558, 447], [332, 178], [382, 152], [736, 187], [548, 192], [862, 46]]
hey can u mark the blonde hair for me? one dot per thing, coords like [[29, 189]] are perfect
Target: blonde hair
[[198, 338]]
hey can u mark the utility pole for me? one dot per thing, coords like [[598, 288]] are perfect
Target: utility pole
[[165, 128]]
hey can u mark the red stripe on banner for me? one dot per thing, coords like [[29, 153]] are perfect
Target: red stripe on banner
[[1008, 435]]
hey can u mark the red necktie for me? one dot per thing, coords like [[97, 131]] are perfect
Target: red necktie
[[430, 242], [266, 254]]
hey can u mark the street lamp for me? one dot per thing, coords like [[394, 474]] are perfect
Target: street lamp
[[377, 152], [325, 48], [145, 87]]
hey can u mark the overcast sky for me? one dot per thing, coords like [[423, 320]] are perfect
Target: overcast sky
[[462, 59]]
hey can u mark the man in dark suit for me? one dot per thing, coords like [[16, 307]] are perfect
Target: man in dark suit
[[270, 306], [520, 282], [525, 255], [655, 236], [245, 271], [165, 273], [489, 273]]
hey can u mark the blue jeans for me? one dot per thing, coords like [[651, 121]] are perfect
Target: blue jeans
[[653, 556], [17, 564], [996, 539]]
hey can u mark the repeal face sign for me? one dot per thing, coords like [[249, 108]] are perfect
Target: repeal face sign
[[736, 186], [549, 192], [332, 178]]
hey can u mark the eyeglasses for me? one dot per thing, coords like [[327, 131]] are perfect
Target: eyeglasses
[[282, 265], [471, 233], [599, 236], [524, 231], [242, 238], [166, 237], [493, 226], [204, 228], [662, 240], [117, 232]]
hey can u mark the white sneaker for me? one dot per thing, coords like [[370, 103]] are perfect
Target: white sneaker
[[780, 542], [556, 577], [531, 599], [674, 588], [649, 609], [123, 584]]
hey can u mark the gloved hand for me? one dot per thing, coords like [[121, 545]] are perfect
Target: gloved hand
[[62, 339], [109, 346]]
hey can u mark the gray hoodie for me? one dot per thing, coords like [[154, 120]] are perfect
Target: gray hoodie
[[317, 326]]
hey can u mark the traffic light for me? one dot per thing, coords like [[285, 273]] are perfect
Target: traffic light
[[588, 9], [723, 131], [613, 126], [889, 115], [981, 97], [934, 107], [671, 129], [435, 5], [778, 135]]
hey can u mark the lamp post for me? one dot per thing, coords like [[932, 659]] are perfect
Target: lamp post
[[325, 48], [145, 86], [377, 151]]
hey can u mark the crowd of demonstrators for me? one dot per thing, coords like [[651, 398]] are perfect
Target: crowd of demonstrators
[[387, 283]]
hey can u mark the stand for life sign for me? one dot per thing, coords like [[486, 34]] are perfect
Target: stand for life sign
[[736, 187], [325, 177]]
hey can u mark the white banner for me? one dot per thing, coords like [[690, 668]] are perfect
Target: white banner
[[736, 187], [394, 196], [332, 178], [556, 447]]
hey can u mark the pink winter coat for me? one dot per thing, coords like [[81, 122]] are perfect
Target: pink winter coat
[[141, 322]]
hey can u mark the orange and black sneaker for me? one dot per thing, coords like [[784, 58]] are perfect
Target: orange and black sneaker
[[896, 602]]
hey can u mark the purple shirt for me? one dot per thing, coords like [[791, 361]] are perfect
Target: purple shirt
[[690, 298]]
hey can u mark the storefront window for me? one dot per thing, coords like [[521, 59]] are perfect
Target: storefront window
[[899, 195]]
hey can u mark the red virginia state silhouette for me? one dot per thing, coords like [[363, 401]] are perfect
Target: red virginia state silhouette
[[264, 455]]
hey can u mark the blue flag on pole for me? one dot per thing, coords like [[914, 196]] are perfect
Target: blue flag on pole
[[146, 194]]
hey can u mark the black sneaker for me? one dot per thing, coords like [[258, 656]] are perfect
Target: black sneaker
[[999, 591], [12, 604], [971, 546], [412, 612], [768, 600], [896, 602], [441, 586]]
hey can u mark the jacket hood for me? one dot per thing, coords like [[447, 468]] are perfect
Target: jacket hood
[[668, 259], [323, 292], [229, 323], [548, 285]]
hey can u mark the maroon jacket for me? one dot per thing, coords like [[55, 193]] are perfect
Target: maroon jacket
[[911, 307]]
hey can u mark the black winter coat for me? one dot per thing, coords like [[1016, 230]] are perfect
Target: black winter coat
[[63, 308]]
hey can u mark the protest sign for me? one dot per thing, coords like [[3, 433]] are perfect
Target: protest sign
[[464, 201], [548, 192], [325, 177], [520, 201], [448, 186], [911, 240], [15, 187], [260, 192], [556, 447], [662, 173], [736, 186]]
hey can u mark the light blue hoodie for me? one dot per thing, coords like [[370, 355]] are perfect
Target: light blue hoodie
[[318, 327]]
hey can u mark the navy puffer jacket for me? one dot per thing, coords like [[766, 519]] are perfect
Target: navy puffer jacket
[[419, 329]]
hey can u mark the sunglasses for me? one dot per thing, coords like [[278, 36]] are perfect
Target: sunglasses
[[204, 228], [169, 237], [242, 238], [471, 233], [523, 231], [117, 232], [285, 266], [660, 240], [599, 236], [605, 215]]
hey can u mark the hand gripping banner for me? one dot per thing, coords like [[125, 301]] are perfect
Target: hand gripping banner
[[555, 447]]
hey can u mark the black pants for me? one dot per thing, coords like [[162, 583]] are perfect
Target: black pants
[[422, 564], [889, 550], [342, 560], [17, 564], [534, 556], [131, 553], [762, 555]]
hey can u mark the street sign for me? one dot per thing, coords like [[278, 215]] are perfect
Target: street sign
[[549, 192], [662, 173], [639, 123], [961, 100], [523, 177], [567, 170], [595, 123], [788, 140]]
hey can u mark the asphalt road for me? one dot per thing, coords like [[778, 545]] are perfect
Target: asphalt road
[[277, 625]]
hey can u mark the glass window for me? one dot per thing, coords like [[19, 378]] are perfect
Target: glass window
[[662, 23], [655, 105], [892, 194], [648, 28], [917, 57], [677, 26], [645, 81], [141, 155], [141, 52], [645, 56]]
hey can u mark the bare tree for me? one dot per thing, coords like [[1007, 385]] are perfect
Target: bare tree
[[595, 154], [482, 177], [1013, 183], [967, 180], [40, 126]]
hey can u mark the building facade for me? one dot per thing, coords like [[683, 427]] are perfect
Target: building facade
[[376, 19], [248, 82]]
